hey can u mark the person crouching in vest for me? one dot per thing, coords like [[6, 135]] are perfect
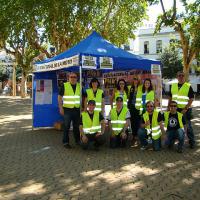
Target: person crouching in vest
[[119, 121], [92, 127], [175, 125], [151, 128]]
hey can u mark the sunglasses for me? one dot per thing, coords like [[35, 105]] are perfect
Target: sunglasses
[[73, 77], [135, 79], [173, 106], [181, 75], [150, 106]]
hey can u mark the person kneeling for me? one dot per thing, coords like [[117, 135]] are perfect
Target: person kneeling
[[151, 128], [176, 126], [92, 127], [119, 121]]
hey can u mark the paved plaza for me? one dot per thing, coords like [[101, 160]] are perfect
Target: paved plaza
[[34, 165]]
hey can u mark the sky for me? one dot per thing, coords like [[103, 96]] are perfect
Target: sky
[[155, 10]]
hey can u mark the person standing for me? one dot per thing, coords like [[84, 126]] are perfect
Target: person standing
[[122, 91], [69, 107], [175, 126], [183, 94], [92, 127], [151, 128], [118, 122], [96, 94], [144, 94], [135, 113]]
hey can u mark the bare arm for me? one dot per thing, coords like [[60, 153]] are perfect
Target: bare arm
[[102, 106], [60, 105], [85, 104]]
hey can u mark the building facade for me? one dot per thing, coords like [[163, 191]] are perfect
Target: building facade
[[149, 45]]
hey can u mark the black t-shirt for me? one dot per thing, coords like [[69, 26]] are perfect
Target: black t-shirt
[[91, 117], [95, 93], [190, 93], [173, 123], [160, 118], [62, 89]]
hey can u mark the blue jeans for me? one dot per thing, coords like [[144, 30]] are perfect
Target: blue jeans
[[93, 139], [71, 115], [172, 135], [190, 132], [117, 141], [142, 134]]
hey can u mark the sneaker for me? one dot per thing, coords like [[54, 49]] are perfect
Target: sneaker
[[143, 148], [67, 146], [192, 146], [180, 150]]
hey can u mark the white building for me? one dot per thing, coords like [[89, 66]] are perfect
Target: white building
[[149, 45]]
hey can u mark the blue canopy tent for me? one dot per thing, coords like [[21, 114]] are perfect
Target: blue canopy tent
[[93, 49]]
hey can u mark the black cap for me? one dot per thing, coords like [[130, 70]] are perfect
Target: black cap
[[119, 99], [92, 102]]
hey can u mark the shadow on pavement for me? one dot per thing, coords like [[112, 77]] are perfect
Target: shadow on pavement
[[34, 165]]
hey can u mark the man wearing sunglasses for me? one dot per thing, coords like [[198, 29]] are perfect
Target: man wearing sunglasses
[[69, 107], [151, 128], [175, 125], [183, 94]]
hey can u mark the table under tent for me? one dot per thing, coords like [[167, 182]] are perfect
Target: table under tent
[[92, 53]]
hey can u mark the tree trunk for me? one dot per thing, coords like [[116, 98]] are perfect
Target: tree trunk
[[186, 69], [14, 80], [23, 85]]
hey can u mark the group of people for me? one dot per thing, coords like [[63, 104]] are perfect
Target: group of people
[[133, 111]]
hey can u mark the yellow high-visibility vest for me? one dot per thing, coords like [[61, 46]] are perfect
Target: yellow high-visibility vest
[[155, 127], [97, 99], [71, 99], [118, 122], [91, 126], [180, 95]]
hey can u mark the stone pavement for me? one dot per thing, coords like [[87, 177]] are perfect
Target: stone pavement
[[34, 165]]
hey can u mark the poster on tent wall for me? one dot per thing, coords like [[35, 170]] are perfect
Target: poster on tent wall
[[106, 63], [43, 93], [89, 62], [110, 81]]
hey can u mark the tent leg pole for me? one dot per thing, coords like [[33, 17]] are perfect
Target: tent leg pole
[[80, 75], [32, 96]]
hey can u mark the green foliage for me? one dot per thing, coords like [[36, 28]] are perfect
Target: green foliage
[[171, 61]]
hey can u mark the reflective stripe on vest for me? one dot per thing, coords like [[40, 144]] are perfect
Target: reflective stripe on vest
[[149, 97], [71, 99], [91, 126], [124, 96], [118, 122], [97, 99], [180, 115], [180, 95], [155, 129]]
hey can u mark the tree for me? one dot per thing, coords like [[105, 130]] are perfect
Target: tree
[[64, 23], [187, 24], [13, 37], [171, 61]]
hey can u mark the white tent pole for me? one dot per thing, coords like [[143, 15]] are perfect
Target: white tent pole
[[80, 77], [32, 99]]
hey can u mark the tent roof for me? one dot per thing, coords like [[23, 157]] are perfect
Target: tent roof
[[95, 45]]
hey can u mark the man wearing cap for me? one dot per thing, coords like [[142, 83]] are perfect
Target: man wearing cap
[[183, 94], [118, 122], [69, 107], [92, 127]]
